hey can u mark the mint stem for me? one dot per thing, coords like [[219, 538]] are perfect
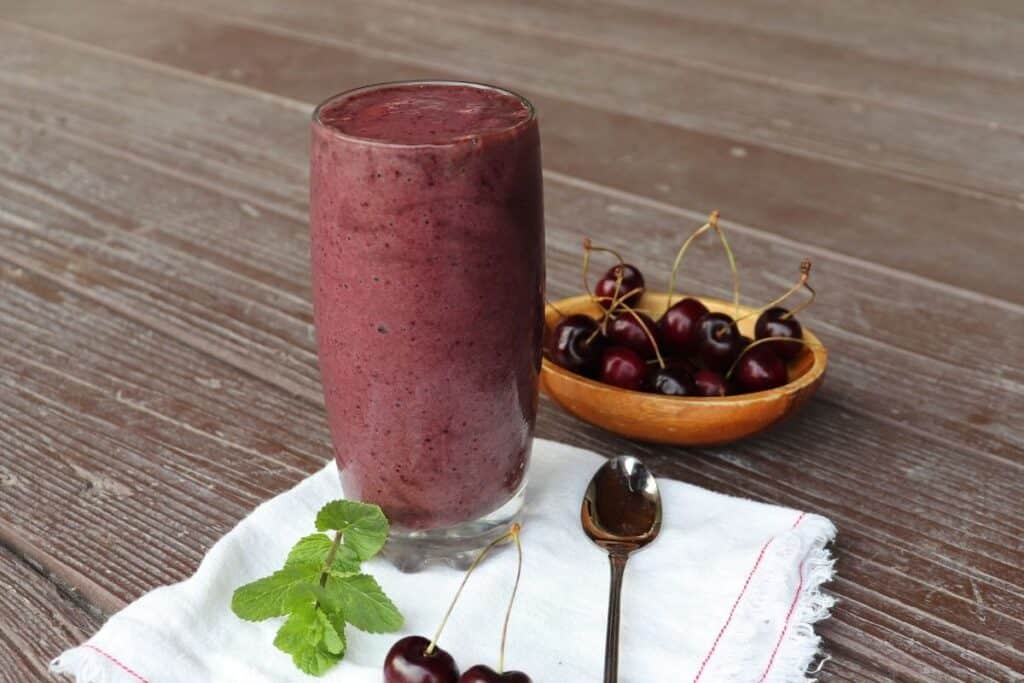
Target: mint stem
[[325, 571]]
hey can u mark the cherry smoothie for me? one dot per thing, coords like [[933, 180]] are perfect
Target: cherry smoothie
[[428, 276]]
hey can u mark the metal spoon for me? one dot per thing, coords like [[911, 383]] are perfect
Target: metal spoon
[[621, 513]]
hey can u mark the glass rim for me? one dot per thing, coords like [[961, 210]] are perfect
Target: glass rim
[[438, 81]]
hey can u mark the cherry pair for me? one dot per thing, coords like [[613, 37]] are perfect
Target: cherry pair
[[414, 659]]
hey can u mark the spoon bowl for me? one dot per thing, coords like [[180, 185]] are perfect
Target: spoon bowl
[[621, 513], [622, 506]]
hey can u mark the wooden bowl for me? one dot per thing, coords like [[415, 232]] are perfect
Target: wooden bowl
[[678, 420]]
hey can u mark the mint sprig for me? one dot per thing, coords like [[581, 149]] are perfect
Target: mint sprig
[[321, 588]]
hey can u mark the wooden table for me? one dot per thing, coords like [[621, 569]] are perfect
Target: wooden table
[[157, 365]]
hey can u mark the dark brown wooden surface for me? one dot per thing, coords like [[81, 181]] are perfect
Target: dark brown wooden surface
[[157, 366]]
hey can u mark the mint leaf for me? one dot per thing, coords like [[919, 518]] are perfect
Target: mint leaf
[[305, 637], [315, 661], [334, 634], [318, 600], [265, 598], [364, 604], [302, 630], [346, 562], [364, 526], [312, 551], [327, 599], [301, 595]]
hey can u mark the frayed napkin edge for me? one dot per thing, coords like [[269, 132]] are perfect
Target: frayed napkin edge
[[800, 645], [88, 664]]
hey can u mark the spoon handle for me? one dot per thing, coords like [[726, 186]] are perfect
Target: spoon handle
[[611, 644]]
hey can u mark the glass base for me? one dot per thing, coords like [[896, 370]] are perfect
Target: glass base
[[456, 546]]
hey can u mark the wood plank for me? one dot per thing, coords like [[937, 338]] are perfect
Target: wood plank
[[748, 51], [876, 217], [112, 432], [985, 38], [39, 619], [829, 125], [77, 208]]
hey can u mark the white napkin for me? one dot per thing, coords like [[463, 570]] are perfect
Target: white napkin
[[728, 592]]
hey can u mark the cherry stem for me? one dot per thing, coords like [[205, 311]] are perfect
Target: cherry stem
[[615, 297], [586, 267], [515, 589], [732, 264], [805, 274], [589, 247], [764, 340], [804, 305], [650, 335], [513, 532], [615, 301], [679, 256]]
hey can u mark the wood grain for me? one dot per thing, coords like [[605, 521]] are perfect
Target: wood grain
[[804, 123], [987, 34], [47, 620], [156, 344], [141, 466], [749, 50], [854, 209]]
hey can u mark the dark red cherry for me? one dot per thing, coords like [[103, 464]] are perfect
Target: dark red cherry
[[625, 330], [408, 662], [681, 363], [631, 279], [485, 674], [760, 368], [709, 383], [719, 341], [677, 329], [622, 367], [670, 382], [771, 323], [575, 345]]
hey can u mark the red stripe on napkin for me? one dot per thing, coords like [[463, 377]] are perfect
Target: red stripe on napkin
[[735, 604], [116, 661], [785, 625]]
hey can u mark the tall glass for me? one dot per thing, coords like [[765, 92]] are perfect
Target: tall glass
[[428, 275]]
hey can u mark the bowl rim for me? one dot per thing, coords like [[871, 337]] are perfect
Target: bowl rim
[[818, 351]]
